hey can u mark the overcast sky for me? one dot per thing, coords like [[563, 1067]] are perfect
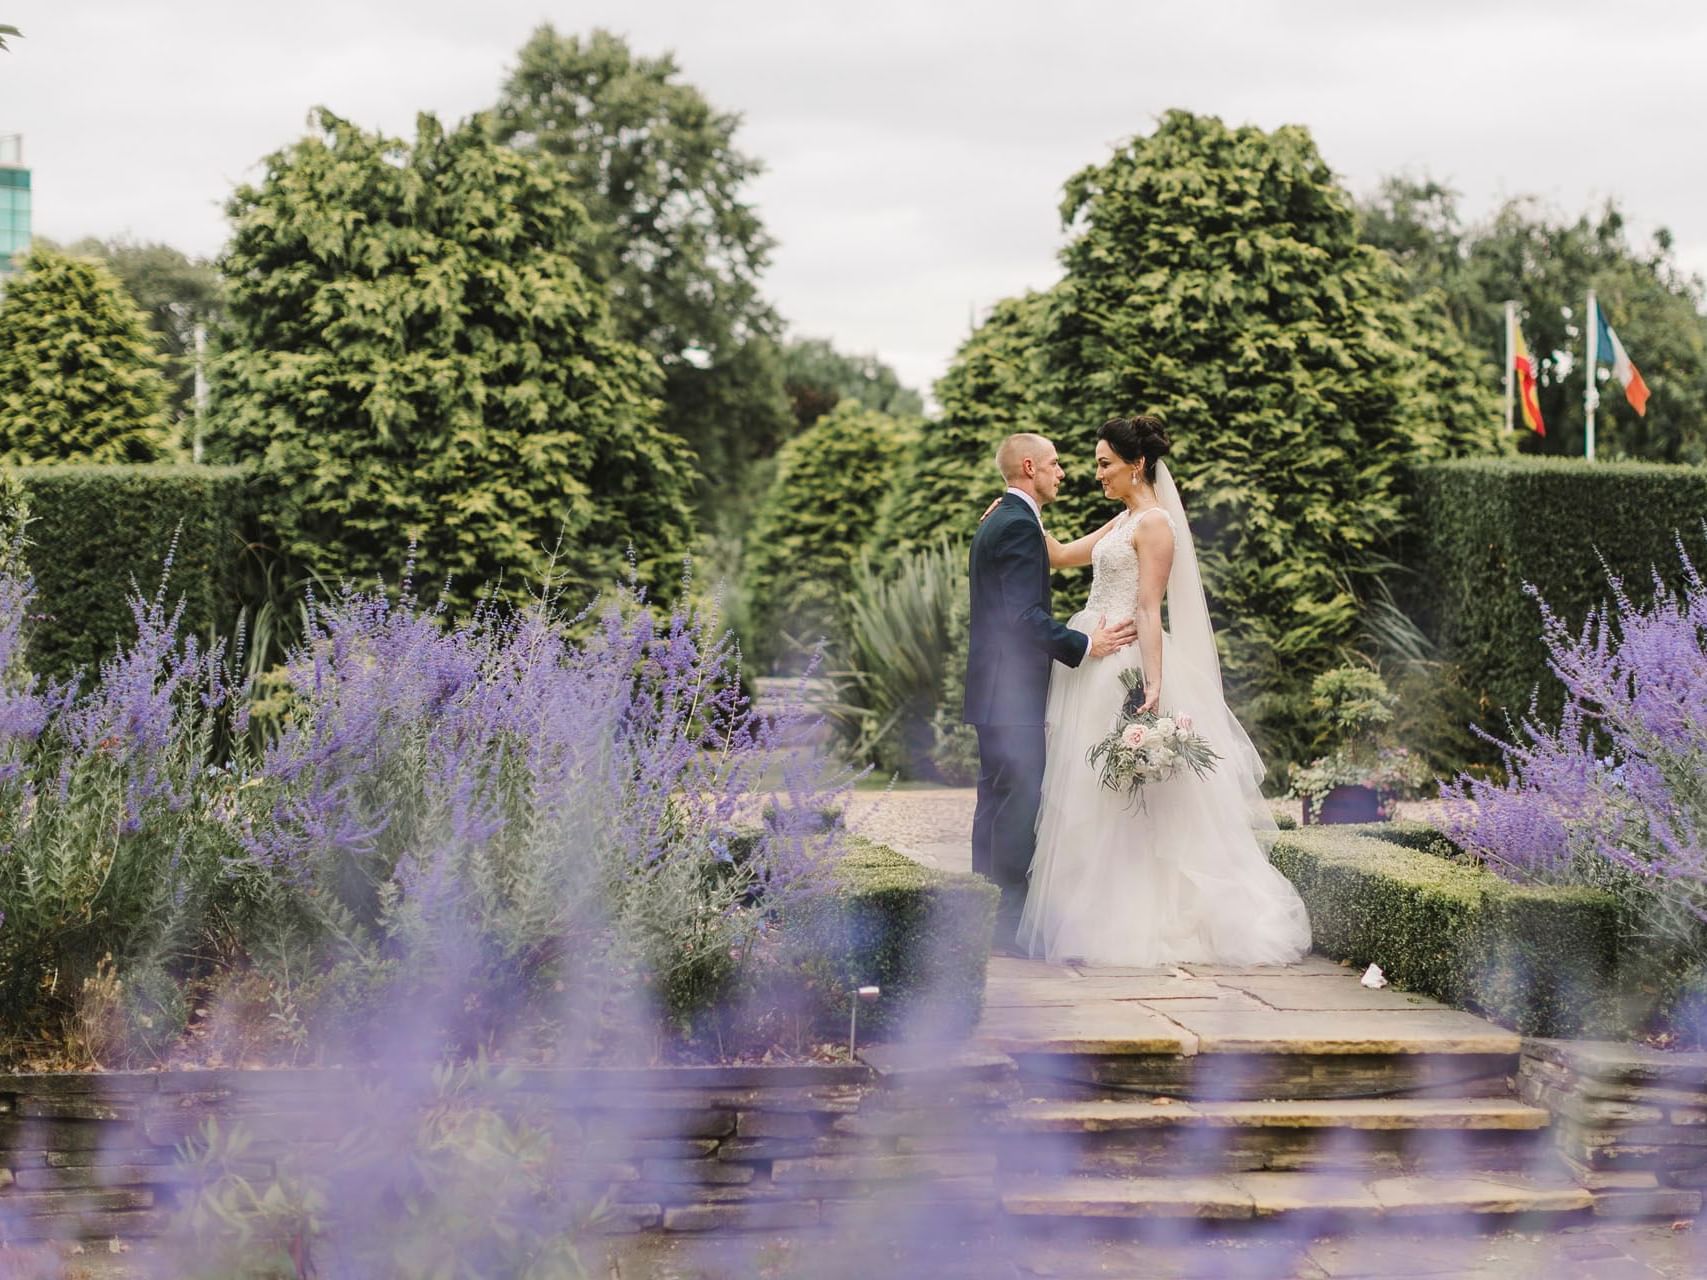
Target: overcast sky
[[915, 150]]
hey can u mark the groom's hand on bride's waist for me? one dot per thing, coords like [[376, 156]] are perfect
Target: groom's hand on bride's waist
[[1106, 639]]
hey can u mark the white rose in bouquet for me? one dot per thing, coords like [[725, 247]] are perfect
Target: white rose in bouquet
[[1165, 726]]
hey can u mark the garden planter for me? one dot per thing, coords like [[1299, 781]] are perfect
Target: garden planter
[[1346, 804]]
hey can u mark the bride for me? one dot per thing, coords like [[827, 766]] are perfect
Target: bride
[[1183, 877]]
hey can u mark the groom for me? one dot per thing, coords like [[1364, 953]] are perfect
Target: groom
[[1014, 640]]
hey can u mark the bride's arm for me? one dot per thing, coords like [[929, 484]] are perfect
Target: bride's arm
[[1069, 555], [1154, 542]]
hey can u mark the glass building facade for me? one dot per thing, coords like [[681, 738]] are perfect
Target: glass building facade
[[14, 204]]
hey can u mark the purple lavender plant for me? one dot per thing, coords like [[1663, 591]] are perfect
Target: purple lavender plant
[[1616, 793]]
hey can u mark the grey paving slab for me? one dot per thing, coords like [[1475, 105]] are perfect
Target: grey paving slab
[[1106, 1026], [1316, 991], [1347, 1031]]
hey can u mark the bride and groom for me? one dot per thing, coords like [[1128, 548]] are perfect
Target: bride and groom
[[1085, 874]]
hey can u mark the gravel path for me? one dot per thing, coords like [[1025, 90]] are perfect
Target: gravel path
[[934, 824]]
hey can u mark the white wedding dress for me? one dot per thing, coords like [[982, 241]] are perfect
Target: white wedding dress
[[1182, 878]]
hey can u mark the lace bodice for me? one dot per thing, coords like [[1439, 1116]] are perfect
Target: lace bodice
[[1114, 569]]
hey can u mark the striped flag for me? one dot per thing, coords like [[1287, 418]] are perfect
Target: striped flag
[[1609, 350], [1524, 369]]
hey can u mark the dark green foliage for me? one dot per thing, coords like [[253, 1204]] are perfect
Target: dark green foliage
[[956, 752], [671, 234], [79, 379], [923, 936], [100, 533], [832, 483], [177, 293], [1485, 528], [1539, 959], [988, 393], [1215, 277], [414, 353], [1528, 253], [817, 378], [899, 640]]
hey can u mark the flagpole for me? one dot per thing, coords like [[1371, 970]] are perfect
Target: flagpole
[[1591, 392], [1510, 373]]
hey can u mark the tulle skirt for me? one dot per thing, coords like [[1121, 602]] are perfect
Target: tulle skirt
[[1181, 878]]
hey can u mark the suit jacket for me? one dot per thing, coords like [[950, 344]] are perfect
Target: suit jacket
[[1014, 635]]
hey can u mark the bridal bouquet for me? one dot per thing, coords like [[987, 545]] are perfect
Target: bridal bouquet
[[1146, 747]]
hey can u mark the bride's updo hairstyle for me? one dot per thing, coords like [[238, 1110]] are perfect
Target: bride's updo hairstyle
[[1140, 436]]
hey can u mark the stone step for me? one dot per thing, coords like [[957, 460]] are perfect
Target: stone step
[[1314, 1200], [1388, 1135], [1105, 1115], [1287, 1076]]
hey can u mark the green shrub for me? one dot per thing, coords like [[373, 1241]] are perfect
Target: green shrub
[[831, 486], [97, 530], [897, 650], [1485, 528], [988, 393], [923, 936], [1539, 959], [413, 352], [79, 377], [955, 753]]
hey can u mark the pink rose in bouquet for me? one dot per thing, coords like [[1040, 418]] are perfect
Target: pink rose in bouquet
[[1133, 735]]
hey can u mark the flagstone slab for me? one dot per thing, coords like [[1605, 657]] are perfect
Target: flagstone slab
[[1456, 1114], [1041, 989], [1224, 1001], [1311, 964], [1011, 968], [1415, 1196], [1112, 1115], [1177, 1197], [1434, 1031], [1278, 1193], [1324, 991], [1099, 1027]]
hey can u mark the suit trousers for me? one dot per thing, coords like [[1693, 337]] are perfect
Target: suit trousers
[[1010, 788]]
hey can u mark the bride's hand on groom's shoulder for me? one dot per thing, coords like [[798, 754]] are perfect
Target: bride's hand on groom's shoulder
[[989, 510]]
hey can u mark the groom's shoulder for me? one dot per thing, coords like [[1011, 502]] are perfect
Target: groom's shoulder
[[999, 526]]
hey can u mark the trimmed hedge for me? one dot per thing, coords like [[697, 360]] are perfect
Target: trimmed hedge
[[96, 530], [1538, 959], [1484, 528], [921, 935]]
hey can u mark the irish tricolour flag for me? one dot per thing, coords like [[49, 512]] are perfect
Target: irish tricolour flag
[[1608, 350]]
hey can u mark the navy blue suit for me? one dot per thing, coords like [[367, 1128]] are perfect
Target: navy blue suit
[[1015, 638]]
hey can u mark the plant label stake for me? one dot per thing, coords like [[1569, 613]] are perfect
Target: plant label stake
[[867, 994]]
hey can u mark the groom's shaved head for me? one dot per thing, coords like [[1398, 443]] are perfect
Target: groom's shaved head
[[1010, 458]]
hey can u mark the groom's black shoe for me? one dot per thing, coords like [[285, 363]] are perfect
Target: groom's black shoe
[[1005, 941]]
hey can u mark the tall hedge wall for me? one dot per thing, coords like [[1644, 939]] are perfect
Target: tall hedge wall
[[96, 529], [1484, 528]]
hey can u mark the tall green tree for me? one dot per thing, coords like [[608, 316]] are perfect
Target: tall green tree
[[672, 234], [1547, 263], [413, 351], [79, 378], [818, 377], [990, 391], [178, 293], [833, 483], [1214, 276]]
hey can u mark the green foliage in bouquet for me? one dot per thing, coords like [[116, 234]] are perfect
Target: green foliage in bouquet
[[79, 377], [1145, 746], [413, 351]]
